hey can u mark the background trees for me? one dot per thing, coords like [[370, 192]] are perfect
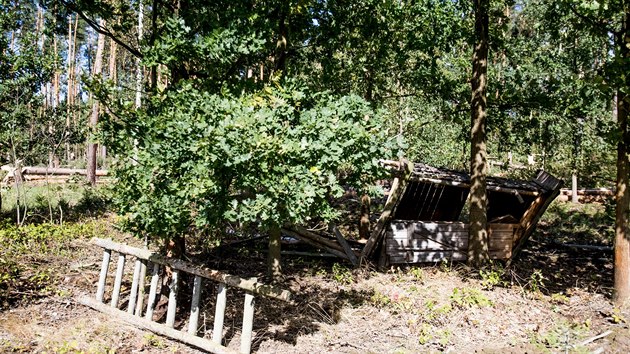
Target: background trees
[[308, 68]]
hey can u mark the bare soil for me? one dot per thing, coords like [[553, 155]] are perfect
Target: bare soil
[[553, 299]]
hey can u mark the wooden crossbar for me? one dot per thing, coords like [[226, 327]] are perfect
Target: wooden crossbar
[[133, 313]]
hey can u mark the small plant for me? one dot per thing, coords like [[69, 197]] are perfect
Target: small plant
[[152, 340], [425, 334], [379, 299], [493, 276], [617, 317], [559, 298], [342, 274], [536, 281], [468, 298], [416, 273]]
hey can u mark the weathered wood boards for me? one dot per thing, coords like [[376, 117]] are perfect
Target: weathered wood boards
[[417, 242], [187, 335], [427, 202]]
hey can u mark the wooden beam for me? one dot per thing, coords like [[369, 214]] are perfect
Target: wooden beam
[[532, 215], [172, 299], [346, 247], [120, 270], [467, 186], [315, 242], [388, 211], [102, 279], [248, 324], [155, 278], [231, 280], [157, 328], [193, 322], [219, 313], [133, 296]]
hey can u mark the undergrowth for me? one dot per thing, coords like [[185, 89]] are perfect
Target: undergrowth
[[31, 254]]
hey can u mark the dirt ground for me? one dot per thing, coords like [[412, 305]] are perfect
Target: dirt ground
[[553, 299]]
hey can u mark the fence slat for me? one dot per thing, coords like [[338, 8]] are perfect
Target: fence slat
[[100, 291], [248, 324], [120, 270], [172, 300], [234, 281], [143, 275], [219, 314], [134, 287], [194, 306], [155, 278]]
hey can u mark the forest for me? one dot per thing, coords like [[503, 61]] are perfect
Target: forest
[[210, 131]]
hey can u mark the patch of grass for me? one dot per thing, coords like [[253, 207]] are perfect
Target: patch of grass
[[52, 203], [563, 336], [469, 297], [589, 223], [492, 276], [342, 274], [30, 254]]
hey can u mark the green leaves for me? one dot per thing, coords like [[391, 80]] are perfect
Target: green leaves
[[274, 156]]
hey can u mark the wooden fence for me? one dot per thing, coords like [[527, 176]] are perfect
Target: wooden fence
[[133, 314]]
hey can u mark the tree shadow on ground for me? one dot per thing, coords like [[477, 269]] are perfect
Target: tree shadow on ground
[[557, 269], [312, 303]]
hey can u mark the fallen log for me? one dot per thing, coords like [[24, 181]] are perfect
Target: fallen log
[[59, 171]]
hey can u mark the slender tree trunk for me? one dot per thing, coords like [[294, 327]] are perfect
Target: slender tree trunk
[[478, 233], [91, 148], [274, 268], [138, 61], [69, 72], [622, 198]]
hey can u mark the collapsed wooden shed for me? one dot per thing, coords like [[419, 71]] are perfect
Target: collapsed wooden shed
[[420, 221]]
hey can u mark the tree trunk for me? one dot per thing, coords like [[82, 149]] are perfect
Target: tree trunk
[[91, 148], [274, 268], [622, 198], [478, 233], [621, 295]]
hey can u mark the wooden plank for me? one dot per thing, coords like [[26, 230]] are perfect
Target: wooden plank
[[437, 256], [298, 230], [467, 185], [172, 299], [193, 322], [219, 313], [231, 280], [133, 296], [141, 291], [346, 247], [388, 211], [428, 244], [155, 279], [157, 328], [315, 243], [536, 210], [248, 324], [120, 269], [100, 291]]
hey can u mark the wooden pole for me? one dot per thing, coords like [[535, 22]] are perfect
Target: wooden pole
[[134, 287], [219, 313], [248, 324], [118, 281], [155, 279], [250, 285], [193, 323], [172, 300], [100, 291], [143, 275], [158, 328]]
